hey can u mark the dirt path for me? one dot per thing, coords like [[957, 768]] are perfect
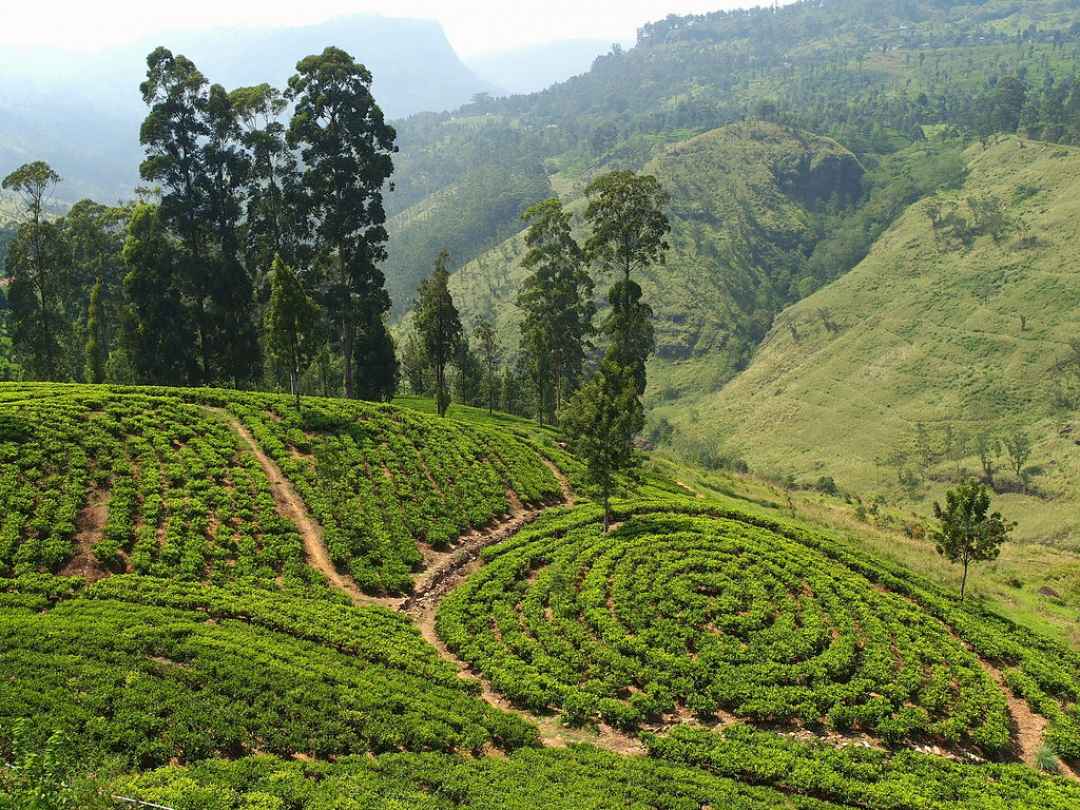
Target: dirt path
[[564, 483], [90, 528], [1030, 727], [292, 507], [445, 570]]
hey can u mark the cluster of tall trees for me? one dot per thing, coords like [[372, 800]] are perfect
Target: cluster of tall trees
[[259, 236], [594, 392]]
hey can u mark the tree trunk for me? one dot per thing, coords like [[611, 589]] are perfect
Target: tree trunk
[[204, 350], [607, 511], [441, 395], [963, 581], [347, 336], [294, 381]]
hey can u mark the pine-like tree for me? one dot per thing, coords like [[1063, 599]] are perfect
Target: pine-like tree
[[439, 327]]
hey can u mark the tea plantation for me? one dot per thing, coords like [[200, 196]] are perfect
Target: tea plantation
[[168, 634], [686, 607], [183, 498]]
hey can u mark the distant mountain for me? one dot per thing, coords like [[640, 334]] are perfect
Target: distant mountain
[[537, 67], [82, 112]]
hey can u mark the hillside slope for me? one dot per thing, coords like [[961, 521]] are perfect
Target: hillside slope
[[199, 633], [864, 72], [187, 484], [742, 227], [929, 331]]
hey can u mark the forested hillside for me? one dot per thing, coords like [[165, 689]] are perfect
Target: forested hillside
[[746, 205], [863, 72]]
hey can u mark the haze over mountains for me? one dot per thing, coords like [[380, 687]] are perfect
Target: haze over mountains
[[537, 67], [81, 112]]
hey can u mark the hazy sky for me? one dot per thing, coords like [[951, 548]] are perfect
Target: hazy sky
[[479, 26]]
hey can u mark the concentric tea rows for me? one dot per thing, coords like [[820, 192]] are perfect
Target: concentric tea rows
[[682, 614]]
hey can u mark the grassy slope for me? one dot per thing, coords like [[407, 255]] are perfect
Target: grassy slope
[[737, 205], [929, 333]]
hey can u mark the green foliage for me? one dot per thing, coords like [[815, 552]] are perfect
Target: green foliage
[[861, 778], [185, 500], [182, 499], [556, 302], [439, 328], [602, 419], [490, 355], [36, 265], [927, 334], [629, 228], [629, 330], [1018, 446], [153, 298], [345, 146], [45, 779], [376, 362], [968, 532], [379, 479], [466, 219], [568, 779], [175, 670], [712, 614], [192, 141], [292, 323]]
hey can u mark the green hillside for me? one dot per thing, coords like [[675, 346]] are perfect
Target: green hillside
[[168, 483], [864, 72], [743, 210], [929, 331], [193, 613], [219, 599]]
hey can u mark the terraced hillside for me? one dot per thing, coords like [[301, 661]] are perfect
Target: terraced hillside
[[698, 656], [170, 483], [962, 331], [690, 613]]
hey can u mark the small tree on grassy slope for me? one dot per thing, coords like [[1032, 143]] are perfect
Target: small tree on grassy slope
[[1018, 447], [988, 447], [602, 420], [968, 531], [439, 327], [292, 325]]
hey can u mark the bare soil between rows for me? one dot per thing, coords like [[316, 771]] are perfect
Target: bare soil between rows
[[445, 570]]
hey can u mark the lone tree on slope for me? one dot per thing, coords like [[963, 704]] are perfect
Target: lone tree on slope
[[968, 531], [629, 234], [602, 420]]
